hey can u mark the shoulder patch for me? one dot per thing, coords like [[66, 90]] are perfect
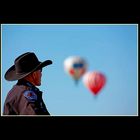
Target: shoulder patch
[[30, 95]]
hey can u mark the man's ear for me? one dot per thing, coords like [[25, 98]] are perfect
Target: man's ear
[[34, 74]]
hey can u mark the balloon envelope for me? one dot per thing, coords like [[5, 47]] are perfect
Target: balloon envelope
[[94, 81], [75, 66]]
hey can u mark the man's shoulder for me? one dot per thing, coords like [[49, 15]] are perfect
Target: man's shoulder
[[17, 91]]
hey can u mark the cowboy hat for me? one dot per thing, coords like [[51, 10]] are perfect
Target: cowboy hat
[[24, 65]]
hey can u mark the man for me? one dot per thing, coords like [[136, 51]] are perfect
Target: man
[[25, 98]]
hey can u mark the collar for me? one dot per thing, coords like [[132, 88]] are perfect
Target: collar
[[27, 83]]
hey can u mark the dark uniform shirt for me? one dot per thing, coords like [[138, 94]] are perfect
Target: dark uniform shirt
[[24, 99]]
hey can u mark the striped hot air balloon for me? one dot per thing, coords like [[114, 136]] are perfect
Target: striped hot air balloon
[[94, 81]]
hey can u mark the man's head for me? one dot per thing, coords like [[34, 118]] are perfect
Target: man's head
[[26, 65], [34, 77]]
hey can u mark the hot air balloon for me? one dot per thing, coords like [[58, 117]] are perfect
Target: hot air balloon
[[75, 66], [94, 81]]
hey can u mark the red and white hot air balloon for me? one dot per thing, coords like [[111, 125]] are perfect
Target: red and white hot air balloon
[[94, 81], [75, 66]]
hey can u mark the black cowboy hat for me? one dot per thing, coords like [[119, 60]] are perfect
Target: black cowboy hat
[[24, 65]]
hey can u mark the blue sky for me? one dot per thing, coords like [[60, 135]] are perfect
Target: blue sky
[[108, 48]]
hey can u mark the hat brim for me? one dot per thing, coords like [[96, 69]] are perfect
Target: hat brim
[[11, 74]]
